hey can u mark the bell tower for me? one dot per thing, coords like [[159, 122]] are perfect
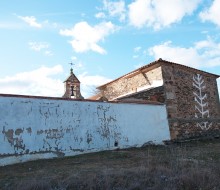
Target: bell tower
[[72, 87]]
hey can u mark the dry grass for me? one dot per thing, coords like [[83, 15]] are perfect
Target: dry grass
[[184, 166]]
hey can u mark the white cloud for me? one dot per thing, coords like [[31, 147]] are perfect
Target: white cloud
[[186, 56], [38, 82], [137, 49], [137, 52], [100, 15], [204, 53], [31, 21], [159, 13], [48, 53], [55, 25], [38, 46], [212, 13], [78, 65], [86, 37], [9, 25], [115, 8], [90, 82], [74, 58], [139, 65]]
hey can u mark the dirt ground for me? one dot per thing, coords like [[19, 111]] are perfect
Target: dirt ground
[[180, 166]]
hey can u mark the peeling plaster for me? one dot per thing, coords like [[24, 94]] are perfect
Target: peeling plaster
[[29, 130], [57, 128], [9, 134], [18, 131]]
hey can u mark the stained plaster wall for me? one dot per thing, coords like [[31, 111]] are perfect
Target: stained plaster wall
[[35, 128], [133, 83], [192, 102]]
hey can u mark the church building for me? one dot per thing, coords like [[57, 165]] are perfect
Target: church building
[[190, 95]]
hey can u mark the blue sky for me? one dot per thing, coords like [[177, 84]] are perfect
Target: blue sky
[[103, 38]]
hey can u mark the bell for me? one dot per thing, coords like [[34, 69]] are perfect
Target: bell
[[72, 91]]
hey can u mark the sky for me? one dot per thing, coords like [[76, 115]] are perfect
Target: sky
[[104, 39]]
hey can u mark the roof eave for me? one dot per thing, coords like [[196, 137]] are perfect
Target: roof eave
[[151, 65]]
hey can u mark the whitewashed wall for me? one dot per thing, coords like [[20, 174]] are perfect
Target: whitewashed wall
[[35, 128]]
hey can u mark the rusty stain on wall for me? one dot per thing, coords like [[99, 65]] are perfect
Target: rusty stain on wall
[[18, 131]]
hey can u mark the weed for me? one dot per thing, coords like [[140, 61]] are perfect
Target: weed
[[184, 166]]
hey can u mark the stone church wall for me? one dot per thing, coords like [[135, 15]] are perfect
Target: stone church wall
[[37, 127], [133, 83], [152, 95], [192, 102]]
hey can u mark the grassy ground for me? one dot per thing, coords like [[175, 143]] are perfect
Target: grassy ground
[[183, 166]]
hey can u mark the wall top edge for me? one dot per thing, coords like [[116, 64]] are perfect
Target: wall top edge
[[80, 100]]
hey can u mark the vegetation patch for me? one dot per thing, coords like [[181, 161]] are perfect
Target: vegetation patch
[[183, 166]]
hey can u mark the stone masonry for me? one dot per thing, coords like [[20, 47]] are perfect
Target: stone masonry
[[72, 87], [131, 83], [154, 95], [191, 96], [192, 102]]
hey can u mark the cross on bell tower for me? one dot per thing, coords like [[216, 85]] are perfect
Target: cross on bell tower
[[72, 86]]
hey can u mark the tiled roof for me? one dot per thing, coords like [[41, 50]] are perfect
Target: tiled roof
[[159, 61], [95, 97], [72, 77]]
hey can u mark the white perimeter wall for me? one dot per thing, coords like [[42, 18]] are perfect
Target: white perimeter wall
[[36, 128]]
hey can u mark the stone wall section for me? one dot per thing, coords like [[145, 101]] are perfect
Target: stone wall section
[[76, 89], [192, 101], [132, 83], [188, 129], [153, 95]]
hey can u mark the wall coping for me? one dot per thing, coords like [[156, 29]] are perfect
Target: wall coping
[[81, 100]]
